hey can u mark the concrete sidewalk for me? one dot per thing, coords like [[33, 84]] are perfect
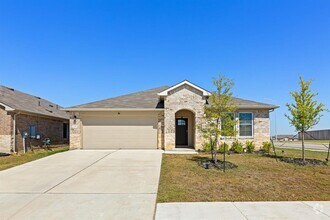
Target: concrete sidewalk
[[244, 210]]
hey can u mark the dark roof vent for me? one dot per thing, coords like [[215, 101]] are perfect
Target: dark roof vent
[[49, 110], [51, 106], [37, 97], [9, 88]]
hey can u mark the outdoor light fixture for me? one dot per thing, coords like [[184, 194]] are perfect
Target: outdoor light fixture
[[74, 119]]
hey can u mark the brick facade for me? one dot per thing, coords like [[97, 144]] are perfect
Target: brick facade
[[186, 100], [46, 127], [6, 120]]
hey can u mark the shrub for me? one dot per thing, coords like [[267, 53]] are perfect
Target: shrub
[[237, 147], [223, 148], [266, 146], [250, 146], [206, 146]]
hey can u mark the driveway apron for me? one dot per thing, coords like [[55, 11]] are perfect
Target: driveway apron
[[83, 184]]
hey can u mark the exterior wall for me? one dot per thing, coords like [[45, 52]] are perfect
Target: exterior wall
[[260, 129], [6, 131], [75, 131], [45, 127], [184, 97], [188, 98], [160, 132]]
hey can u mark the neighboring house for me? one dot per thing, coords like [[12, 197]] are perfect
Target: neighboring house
[[163, 118], [22, 113]]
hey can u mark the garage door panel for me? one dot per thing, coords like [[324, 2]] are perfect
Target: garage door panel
[[121, 132]]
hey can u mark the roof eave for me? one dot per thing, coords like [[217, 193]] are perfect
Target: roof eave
[[110, 109], [7, 107], [258, 107]]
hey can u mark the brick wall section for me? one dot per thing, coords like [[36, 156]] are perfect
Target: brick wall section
[[75, 131], [6, 123], [260, 129], [45, 127], [184, 97], [160, 131], [188, 98]]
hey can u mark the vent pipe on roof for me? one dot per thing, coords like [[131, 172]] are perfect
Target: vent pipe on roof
[[39, 103]]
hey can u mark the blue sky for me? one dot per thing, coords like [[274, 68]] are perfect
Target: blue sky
[[73, 52]]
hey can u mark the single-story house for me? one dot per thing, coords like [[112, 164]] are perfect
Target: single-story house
[[159, 118], [30, 116]]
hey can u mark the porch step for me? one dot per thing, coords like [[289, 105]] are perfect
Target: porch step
[[181, 151]]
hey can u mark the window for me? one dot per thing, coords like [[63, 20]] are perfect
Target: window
[[65, 130], [228, 124], [181, 122], [245, 124], [33, 132]]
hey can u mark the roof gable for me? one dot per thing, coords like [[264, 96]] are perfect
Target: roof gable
[[185, 82]]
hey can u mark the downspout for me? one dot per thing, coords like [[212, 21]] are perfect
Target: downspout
[[14, 132], [271, 138]]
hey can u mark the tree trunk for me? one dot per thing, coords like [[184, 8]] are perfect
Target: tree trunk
[[303, 145]]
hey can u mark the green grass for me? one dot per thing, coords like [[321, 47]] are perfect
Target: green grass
[[17, 159], [257, 178]]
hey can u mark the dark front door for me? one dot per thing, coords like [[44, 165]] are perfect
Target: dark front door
[[181, 131]]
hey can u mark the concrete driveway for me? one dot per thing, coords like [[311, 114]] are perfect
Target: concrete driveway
[[83, 184]]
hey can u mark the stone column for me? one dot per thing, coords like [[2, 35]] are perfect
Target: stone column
[[75, 131]]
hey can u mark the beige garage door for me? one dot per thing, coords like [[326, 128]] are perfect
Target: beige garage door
[[110, 131]]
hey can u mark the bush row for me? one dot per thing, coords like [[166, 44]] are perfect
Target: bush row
[[238, 147]]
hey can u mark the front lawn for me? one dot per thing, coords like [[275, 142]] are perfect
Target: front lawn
[[257, 178], [17, 159]]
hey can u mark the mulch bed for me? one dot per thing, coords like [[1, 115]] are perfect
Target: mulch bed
[[209, 164], [299, 161]]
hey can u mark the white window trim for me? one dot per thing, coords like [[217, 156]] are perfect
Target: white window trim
[[245, 137]]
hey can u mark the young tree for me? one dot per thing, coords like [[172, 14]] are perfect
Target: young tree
[[305, 111], [218, 114]]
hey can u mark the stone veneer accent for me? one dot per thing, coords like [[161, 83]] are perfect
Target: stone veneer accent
[[75, 131], [188, 98], [160, 131], [184, 97], [260, 129]]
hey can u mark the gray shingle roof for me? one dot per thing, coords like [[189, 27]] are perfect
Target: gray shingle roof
[[142, 99], [150, 100], [21, 101], [248, 104]]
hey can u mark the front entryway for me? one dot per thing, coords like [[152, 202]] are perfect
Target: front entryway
[[181, 127], [184, 129]]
